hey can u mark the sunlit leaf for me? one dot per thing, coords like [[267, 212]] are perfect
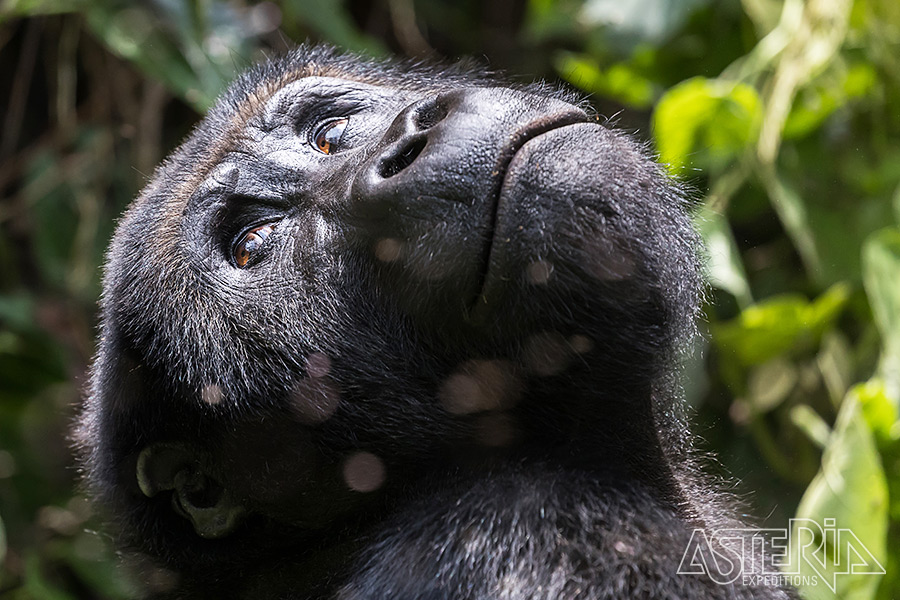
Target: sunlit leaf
[[859, 80], [769, 384], [34, 8], [850, 488], [810, 423], [619, 82], [706, 123], [881, 276], [778, 325], [880, 412], [817, 102]]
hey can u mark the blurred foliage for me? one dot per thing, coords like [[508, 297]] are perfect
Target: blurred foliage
[[783, 115]]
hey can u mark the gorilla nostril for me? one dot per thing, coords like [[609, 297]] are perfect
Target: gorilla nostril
[[430, 115], [394, 164]]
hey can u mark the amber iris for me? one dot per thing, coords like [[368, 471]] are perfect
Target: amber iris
[[250, 241], [328, 136]]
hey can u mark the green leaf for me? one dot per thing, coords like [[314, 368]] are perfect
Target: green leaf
[[194, 49], [836, 365], [770, 383], [816, 103], [794, 215], [38, 585], [880, 412], [778, 325], [131, 35], [96, 565], [621, 81], [725, 268], [881, 277], [33, 8], [546, 19], [810, 423], [332, 21], [705, 122], [896, 204], [850, 488], [860, 80], [812, 106]]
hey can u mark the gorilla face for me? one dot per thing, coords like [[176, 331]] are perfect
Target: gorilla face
[[356, 282]]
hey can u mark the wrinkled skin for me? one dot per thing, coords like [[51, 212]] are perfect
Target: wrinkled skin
[[441, 363]]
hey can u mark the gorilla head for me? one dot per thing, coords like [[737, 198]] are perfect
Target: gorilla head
[[380, 330]]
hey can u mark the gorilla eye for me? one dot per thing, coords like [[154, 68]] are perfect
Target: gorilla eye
[[250, 241], [328, 135]]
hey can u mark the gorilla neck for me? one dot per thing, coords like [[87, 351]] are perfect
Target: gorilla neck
[[599, 425]]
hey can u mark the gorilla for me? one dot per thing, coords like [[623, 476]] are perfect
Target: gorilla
[[392, 330]]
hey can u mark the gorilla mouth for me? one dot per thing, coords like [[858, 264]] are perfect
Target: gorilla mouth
[[519, 139]]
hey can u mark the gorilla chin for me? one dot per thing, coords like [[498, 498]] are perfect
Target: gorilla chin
[[390, 330]]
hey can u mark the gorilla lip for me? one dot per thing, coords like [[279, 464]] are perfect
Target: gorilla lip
[[534, 129]]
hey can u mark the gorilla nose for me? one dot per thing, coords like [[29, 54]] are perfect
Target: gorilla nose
[[398, 170], [449, 149], [408, 135]]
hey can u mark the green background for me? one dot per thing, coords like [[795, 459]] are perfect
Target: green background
[[782, 117]]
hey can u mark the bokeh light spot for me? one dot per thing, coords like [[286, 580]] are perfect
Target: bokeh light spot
[[364, 472], [547, 353], [318, 365], [480, 385], [265, 17], [607, 259], [623, 547], [388, 249], [581, 344], [211, 394], [314, 400], [538, 272]]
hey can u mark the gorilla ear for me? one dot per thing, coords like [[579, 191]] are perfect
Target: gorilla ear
[[196, 495]]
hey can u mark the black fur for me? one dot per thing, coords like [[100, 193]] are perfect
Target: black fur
[[449, 372]]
